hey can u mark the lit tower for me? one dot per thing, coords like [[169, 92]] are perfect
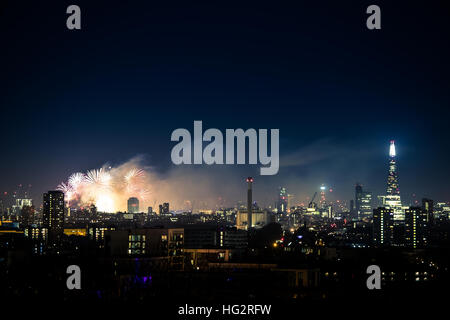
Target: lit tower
[[322, 196], [282, 204], [133, 205], [392, 197], [392, 182], [53, 219], [249, 202]]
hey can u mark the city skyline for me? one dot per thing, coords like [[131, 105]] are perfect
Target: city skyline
[[135, 182]]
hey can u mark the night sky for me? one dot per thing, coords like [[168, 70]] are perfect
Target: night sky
[[116, 89]]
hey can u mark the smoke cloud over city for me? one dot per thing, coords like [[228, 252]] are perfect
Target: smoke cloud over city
[[211, 187]]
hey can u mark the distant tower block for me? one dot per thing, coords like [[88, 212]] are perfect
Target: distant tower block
[[133, 205], [282, 205], [249, 202], [53, 219]]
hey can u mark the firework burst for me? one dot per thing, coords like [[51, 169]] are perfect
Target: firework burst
[[67, 190], [133, 180], [134, 174], [99, 177], [108, 189], [76, 179]]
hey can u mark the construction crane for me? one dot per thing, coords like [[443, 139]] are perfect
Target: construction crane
[[312, 199]]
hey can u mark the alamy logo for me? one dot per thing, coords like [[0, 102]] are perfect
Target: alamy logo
[[213, 153], [74, 20], [373, 22], [74, 280], [374, 280]]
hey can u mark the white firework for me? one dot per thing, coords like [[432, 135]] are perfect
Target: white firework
[[67, 190], [105, 188], [75, 180], [133, 179], [134, 174], [98, 177]]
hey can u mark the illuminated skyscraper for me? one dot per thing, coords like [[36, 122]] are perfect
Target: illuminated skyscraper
[[282, 200], [53, 214], [392, 197], [416, 227], [427, 206], [249, 203], [363, 202], [392, 182], [133, 205], [383, 226], [322, 197]]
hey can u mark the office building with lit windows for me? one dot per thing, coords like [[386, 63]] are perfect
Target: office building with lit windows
[[96, 234], [363, 202], [442, 211], [416, 227], [213, 237], [383, 226], [145, 241], [38, 238], [53, 219], [428, 207], [259, 219]]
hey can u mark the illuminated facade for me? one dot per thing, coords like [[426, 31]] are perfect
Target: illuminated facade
[[383, 226], [259, 219], [38, 237], [323, 200], [442, 211], [20, 203], [97, 234], [363, 202], [80, 232], [249, 201], [146, 242], [392, 182], [282, 200], [428, 207], [53, 215], [133, 205], [416, 227], [392, 198]]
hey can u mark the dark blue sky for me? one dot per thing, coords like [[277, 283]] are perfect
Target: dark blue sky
[[74, 100]]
